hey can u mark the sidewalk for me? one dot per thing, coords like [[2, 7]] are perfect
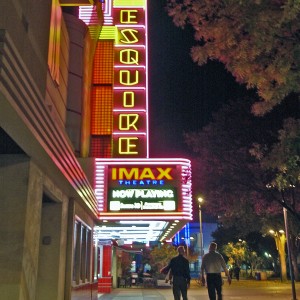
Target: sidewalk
[[137, 294], [239, 290]]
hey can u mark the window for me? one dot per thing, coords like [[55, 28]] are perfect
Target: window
[[82, 253], [54, 40]]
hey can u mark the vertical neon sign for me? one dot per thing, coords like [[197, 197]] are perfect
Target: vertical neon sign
[[130, 112]]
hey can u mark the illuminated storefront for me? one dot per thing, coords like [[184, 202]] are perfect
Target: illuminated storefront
[[140, 199]]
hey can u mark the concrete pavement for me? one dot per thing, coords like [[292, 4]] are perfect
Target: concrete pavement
[[243, 289]]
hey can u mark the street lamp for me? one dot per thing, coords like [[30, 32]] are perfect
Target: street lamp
[[285, 217], [289, 253], [200, 200]]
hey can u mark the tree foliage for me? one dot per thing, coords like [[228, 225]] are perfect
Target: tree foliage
[[126, 261], [236, 253], [284, 156], [227, 174], [257, 41], [255, 244], [259, 44], [232, 178], [161, 256]]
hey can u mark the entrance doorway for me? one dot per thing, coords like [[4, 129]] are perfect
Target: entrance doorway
[[48, 281]]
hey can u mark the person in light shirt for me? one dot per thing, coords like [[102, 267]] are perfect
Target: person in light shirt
[[213, 264]]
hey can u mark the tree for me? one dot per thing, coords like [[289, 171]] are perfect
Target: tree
[[161, 256], [239, 253], [126, 262], [232, 180], [256, 243], [236, 253], [282, 162], [280, 241], [257, 41], [228, 176]]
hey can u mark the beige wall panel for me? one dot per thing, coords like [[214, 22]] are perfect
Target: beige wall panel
[[27, 23]]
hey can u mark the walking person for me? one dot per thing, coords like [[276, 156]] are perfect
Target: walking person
[[237, 270], [212, 264], [180, 269]]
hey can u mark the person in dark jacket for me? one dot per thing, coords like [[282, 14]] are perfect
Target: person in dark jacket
[[236, 271], [180, 269]]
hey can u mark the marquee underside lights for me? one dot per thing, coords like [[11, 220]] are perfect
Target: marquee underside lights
[[141, 231]]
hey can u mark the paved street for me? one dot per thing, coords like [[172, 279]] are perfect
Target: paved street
[[244, 289]]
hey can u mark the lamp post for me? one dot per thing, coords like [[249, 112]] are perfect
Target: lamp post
[[285, 217], [289, 253], [200, 200]]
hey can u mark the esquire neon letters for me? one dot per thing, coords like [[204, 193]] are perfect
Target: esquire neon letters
[[130, 132]]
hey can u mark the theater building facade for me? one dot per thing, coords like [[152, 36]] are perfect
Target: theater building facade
[[77, 182]]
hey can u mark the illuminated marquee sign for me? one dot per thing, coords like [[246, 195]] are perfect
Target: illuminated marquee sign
[[142, 188], [145, 176], [142, 176], [149, 199], [130, 119], [146, 188]]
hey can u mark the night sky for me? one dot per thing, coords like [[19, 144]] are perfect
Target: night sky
[[182, 95]]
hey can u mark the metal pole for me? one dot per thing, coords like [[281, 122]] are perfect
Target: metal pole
[[289, 253], [187, 248], [201, 232]]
